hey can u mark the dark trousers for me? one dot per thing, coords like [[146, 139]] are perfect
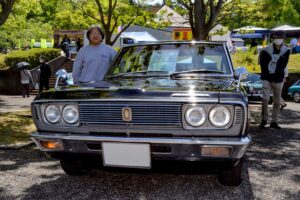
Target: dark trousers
[[44, 83], [25, 90]]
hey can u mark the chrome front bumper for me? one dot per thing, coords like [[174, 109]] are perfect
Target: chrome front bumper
[[180, 148]]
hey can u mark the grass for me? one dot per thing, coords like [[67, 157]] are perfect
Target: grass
[[250, 61], [15, 127]]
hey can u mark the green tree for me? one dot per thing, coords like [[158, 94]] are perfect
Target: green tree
[[281, 12], [113, 13], [19, 27]]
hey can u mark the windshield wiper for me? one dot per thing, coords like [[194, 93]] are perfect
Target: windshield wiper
[[199, 71], [143, 72]]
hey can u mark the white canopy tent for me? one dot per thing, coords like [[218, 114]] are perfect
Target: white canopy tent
[[286, 28], [250, 28], [139, 36], [290, 31]]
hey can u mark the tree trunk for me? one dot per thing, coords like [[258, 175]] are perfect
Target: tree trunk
[[6, 7], [203, 15]]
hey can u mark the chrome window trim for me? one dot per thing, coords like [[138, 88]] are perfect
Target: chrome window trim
[[229, 59]]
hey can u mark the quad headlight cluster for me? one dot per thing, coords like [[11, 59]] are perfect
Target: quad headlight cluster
[[61, 113], [218, 116]]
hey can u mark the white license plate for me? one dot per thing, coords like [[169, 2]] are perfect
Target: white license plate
[[130, 155]]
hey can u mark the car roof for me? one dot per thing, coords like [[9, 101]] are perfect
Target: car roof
[[173, 42]]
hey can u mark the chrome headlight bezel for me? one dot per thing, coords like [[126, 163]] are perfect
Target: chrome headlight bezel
[[227, 119], [55, 109], [199, 109], [72, 108]]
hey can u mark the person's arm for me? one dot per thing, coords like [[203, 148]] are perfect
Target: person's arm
[[77, 67]]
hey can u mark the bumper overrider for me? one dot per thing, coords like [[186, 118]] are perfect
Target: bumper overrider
[[184, 148]]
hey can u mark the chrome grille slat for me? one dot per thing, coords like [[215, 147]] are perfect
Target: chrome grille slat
[[238, 115], [142, 114]]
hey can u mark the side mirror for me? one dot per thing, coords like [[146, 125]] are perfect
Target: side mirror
[[62, 75], [241, 73]]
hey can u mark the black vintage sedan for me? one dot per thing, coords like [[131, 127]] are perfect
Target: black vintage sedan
[[158, 101]]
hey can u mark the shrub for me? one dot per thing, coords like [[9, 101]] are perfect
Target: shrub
[[2, 64], [31, 56], [247, 59]]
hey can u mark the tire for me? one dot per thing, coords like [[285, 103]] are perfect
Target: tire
[[233, 175], [296, 97], [73, 167]]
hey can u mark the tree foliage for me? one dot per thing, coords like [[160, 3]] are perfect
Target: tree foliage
[[113, 13], [203, 15]]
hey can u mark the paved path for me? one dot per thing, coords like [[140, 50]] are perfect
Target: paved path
[[14, 103]]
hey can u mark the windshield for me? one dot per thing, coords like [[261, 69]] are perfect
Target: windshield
[[166, 59]]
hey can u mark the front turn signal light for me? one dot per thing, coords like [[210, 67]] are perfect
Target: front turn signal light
[[53, 145], [216, 151]]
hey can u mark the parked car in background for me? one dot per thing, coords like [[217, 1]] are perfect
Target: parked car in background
[[253, 86], [158, 101], [294, 91]]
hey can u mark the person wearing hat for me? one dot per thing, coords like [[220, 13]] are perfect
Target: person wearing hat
[[45, 73], [93, 60], [273, 61]]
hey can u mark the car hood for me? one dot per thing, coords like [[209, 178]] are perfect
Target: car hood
[[151, 87]]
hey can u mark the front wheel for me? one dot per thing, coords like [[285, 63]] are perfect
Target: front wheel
[[296, 97], [73, 167], [233, 175]]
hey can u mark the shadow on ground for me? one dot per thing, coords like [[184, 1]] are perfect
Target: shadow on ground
[[179, 180]]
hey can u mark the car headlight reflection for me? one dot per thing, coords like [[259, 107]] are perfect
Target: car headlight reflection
[[70, 114], [52, 114], [195, 116], [219, 116]]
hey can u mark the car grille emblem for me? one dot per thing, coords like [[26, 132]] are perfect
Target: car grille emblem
[[126, 114]]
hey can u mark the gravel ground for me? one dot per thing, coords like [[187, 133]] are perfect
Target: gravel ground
[[271, 171]]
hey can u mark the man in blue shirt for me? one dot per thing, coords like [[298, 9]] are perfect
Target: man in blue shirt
[[93, 60]]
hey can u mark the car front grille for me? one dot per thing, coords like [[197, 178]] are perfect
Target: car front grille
[[151, 114]]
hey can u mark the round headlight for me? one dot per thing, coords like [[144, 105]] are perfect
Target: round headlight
[[195, 116], [219, 116], [52, 114], [70, 114]]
